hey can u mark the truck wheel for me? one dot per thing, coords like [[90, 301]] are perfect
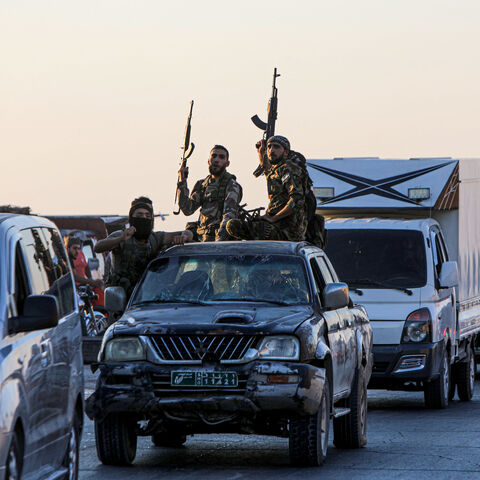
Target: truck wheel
[[116, 440], [71, 460], [436, 392], [350, 431], [13, 467], [308, 439], [168, 439], [465, 376]]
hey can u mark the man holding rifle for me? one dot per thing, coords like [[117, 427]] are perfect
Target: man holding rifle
[[285, 218], [218, 196], [133, 248]]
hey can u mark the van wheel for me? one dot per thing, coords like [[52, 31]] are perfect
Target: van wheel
[[350, 431], [465, 376], [436, 392], [169, 439], [308, 439], [116, 440], [13, 466], [71, 460]]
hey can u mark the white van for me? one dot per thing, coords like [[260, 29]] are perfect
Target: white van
[[405, 236]]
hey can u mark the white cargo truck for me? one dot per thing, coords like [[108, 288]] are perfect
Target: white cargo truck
[[405, 236]]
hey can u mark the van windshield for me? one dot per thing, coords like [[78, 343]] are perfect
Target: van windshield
[[373, 258]]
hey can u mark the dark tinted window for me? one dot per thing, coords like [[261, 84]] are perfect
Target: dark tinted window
[[378, 258]]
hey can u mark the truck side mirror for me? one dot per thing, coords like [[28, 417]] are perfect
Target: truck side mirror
[[448, 277], [335, 295], [39, 312], [115, 299], [93, 264]]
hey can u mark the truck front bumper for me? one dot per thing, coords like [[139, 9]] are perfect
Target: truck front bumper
[[396, 365], [145, 389]]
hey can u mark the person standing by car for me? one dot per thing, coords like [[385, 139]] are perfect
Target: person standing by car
[[218, 196], [286, 216], [80, 269], [133, 248]]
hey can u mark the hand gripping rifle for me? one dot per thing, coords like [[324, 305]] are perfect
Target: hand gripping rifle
[[187, 152], [269, 127]]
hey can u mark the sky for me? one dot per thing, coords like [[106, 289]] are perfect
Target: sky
[[94, 94]]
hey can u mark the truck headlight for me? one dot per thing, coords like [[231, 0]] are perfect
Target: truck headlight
[[280, 348], [123, 349], [417, 328]]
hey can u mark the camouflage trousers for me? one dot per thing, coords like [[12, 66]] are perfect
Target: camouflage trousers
[[253, 230]]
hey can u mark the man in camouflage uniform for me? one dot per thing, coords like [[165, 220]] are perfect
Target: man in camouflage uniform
[[133, 248], [285, 218], [218, 196]]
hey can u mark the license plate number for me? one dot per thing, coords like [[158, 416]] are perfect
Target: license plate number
[[204, 379]]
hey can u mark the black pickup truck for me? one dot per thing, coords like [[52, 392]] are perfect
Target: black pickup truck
[[234, 337]]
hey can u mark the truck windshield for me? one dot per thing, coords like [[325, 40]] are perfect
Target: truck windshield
[[378, 258], [275, 279]]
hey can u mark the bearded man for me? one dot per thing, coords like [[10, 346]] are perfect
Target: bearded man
[[133, 248], [286, 215], [218, 196]]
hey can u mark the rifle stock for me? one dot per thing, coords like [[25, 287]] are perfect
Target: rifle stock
[[269, 126]]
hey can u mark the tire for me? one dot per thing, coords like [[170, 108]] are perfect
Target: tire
[[169, 439], [436, 392], [72, 456], [350, 431], [14, 463], [465, 376], [308, 439], [116, 440]]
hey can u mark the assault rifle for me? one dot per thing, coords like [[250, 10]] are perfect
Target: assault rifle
[[187, 152], [269, 127], [252, 214]]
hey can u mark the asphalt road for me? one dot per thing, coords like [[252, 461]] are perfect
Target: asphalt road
[[405, 441]]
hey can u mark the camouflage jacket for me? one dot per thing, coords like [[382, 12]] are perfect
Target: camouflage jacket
[[285, 183], [218, 200], [130, 258]]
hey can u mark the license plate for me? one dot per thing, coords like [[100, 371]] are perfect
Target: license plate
[[204, 379]]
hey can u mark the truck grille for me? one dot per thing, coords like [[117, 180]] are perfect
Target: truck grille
[[194, 348]]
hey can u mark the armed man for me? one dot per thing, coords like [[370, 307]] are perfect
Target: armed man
[[218, 196], [286, 216], [133, 248]]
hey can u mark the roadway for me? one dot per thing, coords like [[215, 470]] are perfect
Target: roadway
[[405, 441]]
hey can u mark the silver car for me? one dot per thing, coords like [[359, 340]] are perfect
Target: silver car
[[41, 370]]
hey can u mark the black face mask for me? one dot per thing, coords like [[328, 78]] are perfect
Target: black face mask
[[143, 227]]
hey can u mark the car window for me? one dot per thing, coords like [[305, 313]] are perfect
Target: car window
[[317, 275], [47, 266], [439, 255], [21, 282], [324, 269], [38, 266], [378, 258], [62, 287], [209, 278]]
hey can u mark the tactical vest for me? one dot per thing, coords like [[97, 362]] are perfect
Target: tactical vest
[[129, 265], [213, 199]]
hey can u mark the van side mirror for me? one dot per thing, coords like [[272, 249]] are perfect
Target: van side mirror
[[93, 264], [448, 277], [39, 312], [115, 299], [335, 295]]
